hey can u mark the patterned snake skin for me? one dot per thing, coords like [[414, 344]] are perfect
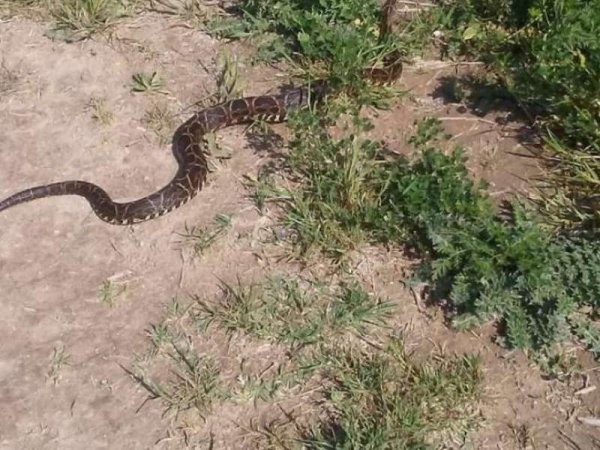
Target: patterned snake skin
[[188, 147]]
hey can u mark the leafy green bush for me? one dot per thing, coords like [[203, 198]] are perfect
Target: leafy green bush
[[546, 50], [547, 54], [560, 68], [486, 267], [341, 34], [515, 271]]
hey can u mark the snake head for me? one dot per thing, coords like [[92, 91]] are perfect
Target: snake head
[[303, 96], [318, 89]]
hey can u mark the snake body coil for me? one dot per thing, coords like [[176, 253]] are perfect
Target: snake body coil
[[188, 151], [193, 168]]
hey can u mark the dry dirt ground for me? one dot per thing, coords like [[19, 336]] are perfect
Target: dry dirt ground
[[55, 255]]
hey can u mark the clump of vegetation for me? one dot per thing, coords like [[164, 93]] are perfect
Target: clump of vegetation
[[533, 281], [545, 54], [351, 191], [194, 388], [80, 19], [143, 82], [292, 312], [200, 239], [100, 110], [360, 396], [385, 400], [336, 39]]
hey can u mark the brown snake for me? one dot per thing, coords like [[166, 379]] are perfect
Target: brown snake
[[188, 151]]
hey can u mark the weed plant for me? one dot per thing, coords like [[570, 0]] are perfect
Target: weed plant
[[81, 19]]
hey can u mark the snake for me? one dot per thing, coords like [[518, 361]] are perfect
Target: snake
[[189, 143]]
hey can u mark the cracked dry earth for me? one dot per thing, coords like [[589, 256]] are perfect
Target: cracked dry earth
[[55, 255]]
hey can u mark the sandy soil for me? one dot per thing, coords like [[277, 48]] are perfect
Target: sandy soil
[[55, 255]]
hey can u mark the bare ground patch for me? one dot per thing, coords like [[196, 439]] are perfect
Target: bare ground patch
[[80, 295]]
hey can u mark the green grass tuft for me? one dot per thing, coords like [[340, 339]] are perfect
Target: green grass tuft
[[81, 19], [385, 400], [351, 395], [288, 311]]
